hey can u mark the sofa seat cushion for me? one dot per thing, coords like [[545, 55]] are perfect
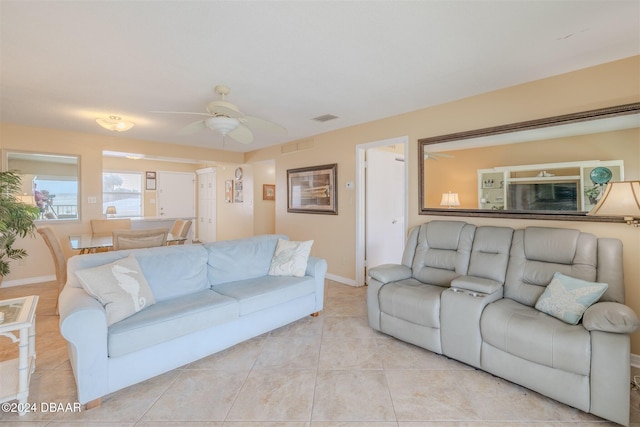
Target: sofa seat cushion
[[413, 301], [170, 319], [527, 333], [266, 291]]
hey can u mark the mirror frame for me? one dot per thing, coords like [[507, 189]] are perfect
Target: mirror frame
[[602, 113]]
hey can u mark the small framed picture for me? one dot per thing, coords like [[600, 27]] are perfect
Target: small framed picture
[[228, 191], [268, 192], [150, 180]]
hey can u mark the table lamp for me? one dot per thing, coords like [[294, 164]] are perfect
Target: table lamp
[[620, 199], [449, 199], [111, 211]]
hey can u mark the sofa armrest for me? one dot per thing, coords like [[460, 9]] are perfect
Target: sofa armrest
[[476, 284], [83, 323], [317, 268], [388, 273], [610, 317]]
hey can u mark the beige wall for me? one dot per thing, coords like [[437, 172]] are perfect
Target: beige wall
[[597, 87], [234, 220], [602, 86], [264, 211]]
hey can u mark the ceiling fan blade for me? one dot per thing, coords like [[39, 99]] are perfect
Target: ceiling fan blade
[[242, 134], [262, 125], [436, 156], [180, 112], [192, 128]]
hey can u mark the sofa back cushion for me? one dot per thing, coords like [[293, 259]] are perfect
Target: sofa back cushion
[[171, 271], [490, 253], [240, 259], [442, 251], [539, 252]]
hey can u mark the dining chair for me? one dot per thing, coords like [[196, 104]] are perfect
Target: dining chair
[[185, 229], [104, 227], [180, 228], [59, 261], [134, 239]]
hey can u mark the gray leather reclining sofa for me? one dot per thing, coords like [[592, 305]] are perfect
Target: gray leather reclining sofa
[[469, 293]]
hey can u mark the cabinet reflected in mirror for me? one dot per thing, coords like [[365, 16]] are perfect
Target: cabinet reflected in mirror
[[542, 168], [49, 181]]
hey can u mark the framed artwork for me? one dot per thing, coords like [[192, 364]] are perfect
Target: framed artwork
[[150, 181], [313, 189], [238, 194], [268, 192], [228, 191]]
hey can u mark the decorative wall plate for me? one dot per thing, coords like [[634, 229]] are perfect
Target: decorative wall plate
[[600, 175]]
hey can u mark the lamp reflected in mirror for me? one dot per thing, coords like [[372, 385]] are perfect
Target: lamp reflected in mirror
[[620, 199], [450, 199], [111, 211]]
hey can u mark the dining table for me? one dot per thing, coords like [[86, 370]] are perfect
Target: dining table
[[89, 243]]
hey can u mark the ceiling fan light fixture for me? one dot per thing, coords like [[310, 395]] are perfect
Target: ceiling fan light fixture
[[114, 123], [222, 124]]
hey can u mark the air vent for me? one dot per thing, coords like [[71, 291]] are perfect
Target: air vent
[[325, 118], [292, 147]]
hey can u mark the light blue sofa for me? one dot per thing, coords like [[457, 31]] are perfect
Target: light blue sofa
[[208, 298]]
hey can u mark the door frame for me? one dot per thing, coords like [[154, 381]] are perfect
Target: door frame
[[361, 197]]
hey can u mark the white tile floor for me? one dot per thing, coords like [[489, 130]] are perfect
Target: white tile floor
[[329, 371]]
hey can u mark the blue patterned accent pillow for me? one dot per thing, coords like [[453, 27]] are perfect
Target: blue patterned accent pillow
[[567, 298]]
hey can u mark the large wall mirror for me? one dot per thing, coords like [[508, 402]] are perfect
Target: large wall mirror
[[552, 168], [49, 181]]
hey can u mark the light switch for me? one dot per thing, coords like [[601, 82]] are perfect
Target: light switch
[[350, 185], [92, 200]]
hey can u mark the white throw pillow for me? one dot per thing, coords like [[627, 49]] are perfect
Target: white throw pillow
[[567, 298], [290, 258], [120, 287]]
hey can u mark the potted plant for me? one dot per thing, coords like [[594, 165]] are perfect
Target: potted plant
[[16, 220]]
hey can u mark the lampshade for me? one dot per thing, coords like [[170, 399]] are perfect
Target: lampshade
[[111, 210], [619, 199], [222, 124], [450, 199], [114, 123]]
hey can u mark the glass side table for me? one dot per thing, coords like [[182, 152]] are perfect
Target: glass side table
[[18, 315]]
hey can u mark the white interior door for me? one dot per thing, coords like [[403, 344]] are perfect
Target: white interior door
[[384, 207], [176, 194]]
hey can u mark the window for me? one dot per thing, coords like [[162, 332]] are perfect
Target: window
[[122, 191], [49, 182]]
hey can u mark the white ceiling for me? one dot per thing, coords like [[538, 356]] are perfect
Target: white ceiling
[[65, 63]]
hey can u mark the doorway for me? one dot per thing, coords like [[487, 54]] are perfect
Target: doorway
[[381, 209]]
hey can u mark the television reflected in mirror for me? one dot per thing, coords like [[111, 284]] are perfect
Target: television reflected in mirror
[[551, 168], [49, 181]]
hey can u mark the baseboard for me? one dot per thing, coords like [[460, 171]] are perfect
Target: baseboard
[[635, 360], [340, 279], [27, 281]]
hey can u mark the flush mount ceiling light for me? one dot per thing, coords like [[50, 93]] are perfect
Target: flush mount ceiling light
[[114, 123]]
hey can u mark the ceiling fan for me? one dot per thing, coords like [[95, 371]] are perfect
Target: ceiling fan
[[227, 119], [436, 156]]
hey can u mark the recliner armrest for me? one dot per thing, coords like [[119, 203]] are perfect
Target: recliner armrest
[[476, 284], [610, 317], [388, 273]]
